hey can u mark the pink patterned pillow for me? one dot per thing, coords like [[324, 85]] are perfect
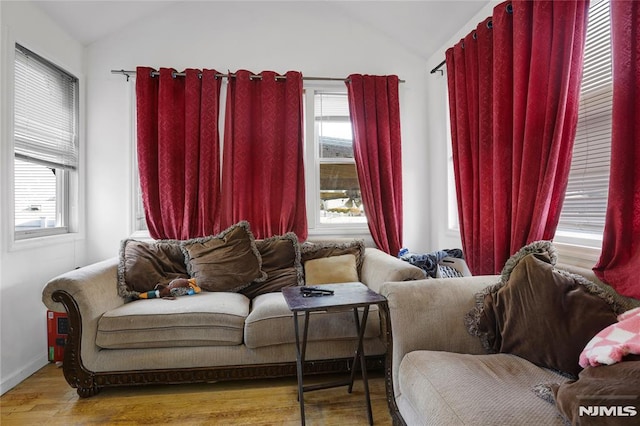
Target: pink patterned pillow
[[614, 342]]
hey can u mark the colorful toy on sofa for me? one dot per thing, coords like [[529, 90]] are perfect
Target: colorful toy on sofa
[[175, 288]]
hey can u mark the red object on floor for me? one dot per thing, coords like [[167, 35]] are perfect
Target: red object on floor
[[57, 330]]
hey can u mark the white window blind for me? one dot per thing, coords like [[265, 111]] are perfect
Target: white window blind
[[585, 201], [46, 105], [331, 107]]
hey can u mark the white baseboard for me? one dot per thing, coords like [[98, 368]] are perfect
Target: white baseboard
[[23, 373]]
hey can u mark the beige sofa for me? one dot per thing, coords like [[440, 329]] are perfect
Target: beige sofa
[[204, 337], [439, 374]]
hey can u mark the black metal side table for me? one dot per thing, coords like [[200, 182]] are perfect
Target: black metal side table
[[347, 295]]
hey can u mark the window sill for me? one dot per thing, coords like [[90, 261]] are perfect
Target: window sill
[[44, 241], [569, 252], [577, 255], [140, 235], [332, 233]]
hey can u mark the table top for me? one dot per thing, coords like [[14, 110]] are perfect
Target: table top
[[346, 295]]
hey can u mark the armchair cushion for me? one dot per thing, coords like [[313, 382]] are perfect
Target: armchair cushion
[[447, 388]]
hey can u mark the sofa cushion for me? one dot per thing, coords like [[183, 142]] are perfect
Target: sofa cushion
[[145, 264], [229, 261], [271, 323], [281, 262], [612, 387], [328, 270], [204, 319], [542, 314], [462, 389], [317, 250]]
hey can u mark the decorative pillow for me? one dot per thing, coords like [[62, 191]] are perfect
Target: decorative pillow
[[329, 270], [310, 251], [281, 261], [539, 313], [229, 261], [614, 342], [145, 264], [607, 395]]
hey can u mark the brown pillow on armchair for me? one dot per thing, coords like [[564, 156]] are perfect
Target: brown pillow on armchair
[[603, 395], [539, 313]]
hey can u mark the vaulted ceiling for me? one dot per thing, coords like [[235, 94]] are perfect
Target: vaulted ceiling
[[421, 26]]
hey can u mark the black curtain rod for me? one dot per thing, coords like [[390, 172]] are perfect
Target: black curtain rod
[[509, 8], [253, 76], [437, 68]]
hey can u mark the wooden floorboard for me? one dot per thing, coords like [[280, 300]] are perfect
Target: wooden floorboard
[[46, 399]]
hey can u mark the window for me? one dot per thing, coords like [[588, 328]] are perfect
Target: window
[[333, 192], [583, 212], [45, 146], [337, 198]]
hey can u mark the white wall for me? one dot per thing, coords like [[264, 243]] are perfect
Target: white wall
[[25, 268], [312, 37]]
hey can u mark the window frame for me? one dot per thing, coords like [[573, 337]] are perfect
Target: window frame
[[312, 169], [566, 235], [69, 182]]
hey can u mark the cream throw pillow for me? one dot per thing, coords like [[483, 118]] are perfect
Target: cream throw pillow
[[329, 270]]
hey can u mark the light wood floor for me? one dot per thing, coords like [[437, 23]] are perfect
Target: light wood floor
[[46, 399]]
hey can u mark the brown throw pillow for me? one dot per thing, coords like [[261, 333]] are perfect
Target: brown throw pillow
[[144, 264], [310, 251], [330, 270], [604, 395], [541, 314], [229, 261], [281, 261]]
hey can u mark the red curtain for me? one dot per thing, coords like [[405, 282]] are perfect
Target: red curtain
[[375, 115], [178, 151], [263, 171], [620, 258], [513, 92]]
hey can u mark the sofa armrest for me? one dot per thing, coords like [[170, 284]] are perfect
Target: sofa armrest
[[85, 294], [429, 315], [379, 267]]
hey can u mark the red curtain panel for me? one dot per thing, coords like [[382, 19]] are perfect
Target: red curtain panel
[[178, 151], [620, 257], [263, 170], [513, 91], [375, 116]]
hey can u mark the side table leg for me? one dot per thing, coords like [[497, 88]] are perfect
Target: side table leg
[[361, 327], [299, 362], [354, 364]]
